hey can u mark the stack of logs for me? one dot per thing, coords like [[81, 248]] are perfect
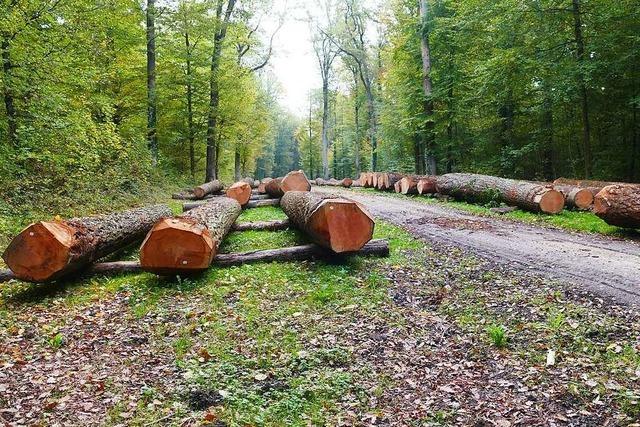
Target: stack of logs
[[189, 243], [616, 203]]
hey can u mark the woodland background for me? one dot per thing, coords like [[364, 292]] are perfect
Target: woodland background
[[108, 100]]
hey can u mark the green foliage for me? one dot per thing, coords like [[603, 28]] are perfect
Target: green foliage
[[497, 335]]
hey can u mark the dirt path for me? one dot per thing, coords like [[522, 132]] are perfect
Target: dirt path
[[600, 264]]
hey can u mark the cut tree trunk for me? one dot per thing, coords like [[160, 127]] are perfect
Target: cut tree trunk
[[240, 191], [377, 247], [190, 241], [295, 181], [274, 189], [387, 180], [356, 183], [250, 181], [397, 187], [48, 250], [409, 183], [214, 186], [619, 205], [263, 183], [276, 225], [485, 188], [334, 222], [427, 185], [250, 204], [586, 183], [576, 197]]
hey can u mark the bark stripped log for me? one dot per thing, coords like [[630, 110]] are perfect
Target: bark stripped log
[[331, 221], [211, 187], [387, 180], [48, 250], [484, 188], [240, 192], [295, 181], [274, 189], [190, 241], [619, 205]]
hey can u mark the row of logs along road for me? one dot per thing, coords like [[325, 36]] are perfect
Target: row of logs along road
[[188, 243]]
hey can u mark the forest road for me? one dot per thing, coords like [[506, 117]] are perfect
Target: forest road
[[603, 265]]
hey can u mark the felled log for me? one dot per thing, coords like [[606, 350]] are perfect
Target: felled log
[[321, 181], [619, 205], [331, 221], [48, 250], [250, 204], [313, 182], [240, 191], [210, 187], [184, 196], [263, 183], [281, 224], [190, 241], [250, 181], [426, 185], [396, 187], [387, 180], [586, 183], [485, 188], [295, 181], [259, 197], [356, 183], [273, 188], [576, 197]]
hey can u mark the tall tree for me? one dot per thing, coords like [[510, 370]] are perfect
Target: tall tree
[[152, 102], [426, 153]]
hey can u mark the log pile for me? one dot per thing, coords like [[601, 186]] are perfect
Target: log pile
[[48, 250], [189, 242], [333, 222]]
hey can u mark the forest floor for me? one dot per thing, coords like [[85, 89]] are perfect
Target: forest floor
[[606, 262], [433, 335]]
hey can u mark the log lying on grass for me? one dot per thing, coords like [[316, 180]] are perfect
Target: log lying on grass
[[484, 188], [274, 189], [281, 224], [345, 182], [211, 187], [377, 247], [295, 181], [263, 183], [576, 197], [240, 192], [619, 205], [48, 250], [190, 241], [250, 204], [331, 221], [427, 185]]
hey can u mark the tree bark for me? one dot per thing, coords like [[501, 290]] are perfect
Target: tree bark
[[429, 165], [190, 241], [263, 184], [190, 124], [9, 99], [485, 188], [333, 222], [240, 192], [210, 187], [48, 250], [584, 101], [276, 225], [152, 103], [619, 205]]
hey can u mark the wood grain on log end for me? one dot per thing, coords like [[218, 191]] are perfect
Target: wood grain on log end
[[240, 191], [344, 224], [295, 181], [582, 198], [160, 254], [551, 201], [40, 251]]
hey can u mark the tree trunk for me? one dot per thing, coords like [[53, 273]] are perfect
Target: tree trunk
[[189, 242], [356, 119], [273, 188], [276, 225], [429, 165], [619, 205], [387, 180], [214, 90], [236, 164], [325, 125], [586, 183], [263, 184], [9, 104], [208, 188], [48, 250], [580, 55], [240, 192], [191, 128], [295, 181], [333, 222], [152, 103], [576, 197], [484, 188]]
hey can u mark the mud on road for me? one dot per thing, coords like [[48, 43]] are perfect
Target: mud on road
[[606, 266]]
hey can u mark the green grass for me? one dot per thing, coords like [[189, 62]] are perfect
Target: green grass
[[568, 219]]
